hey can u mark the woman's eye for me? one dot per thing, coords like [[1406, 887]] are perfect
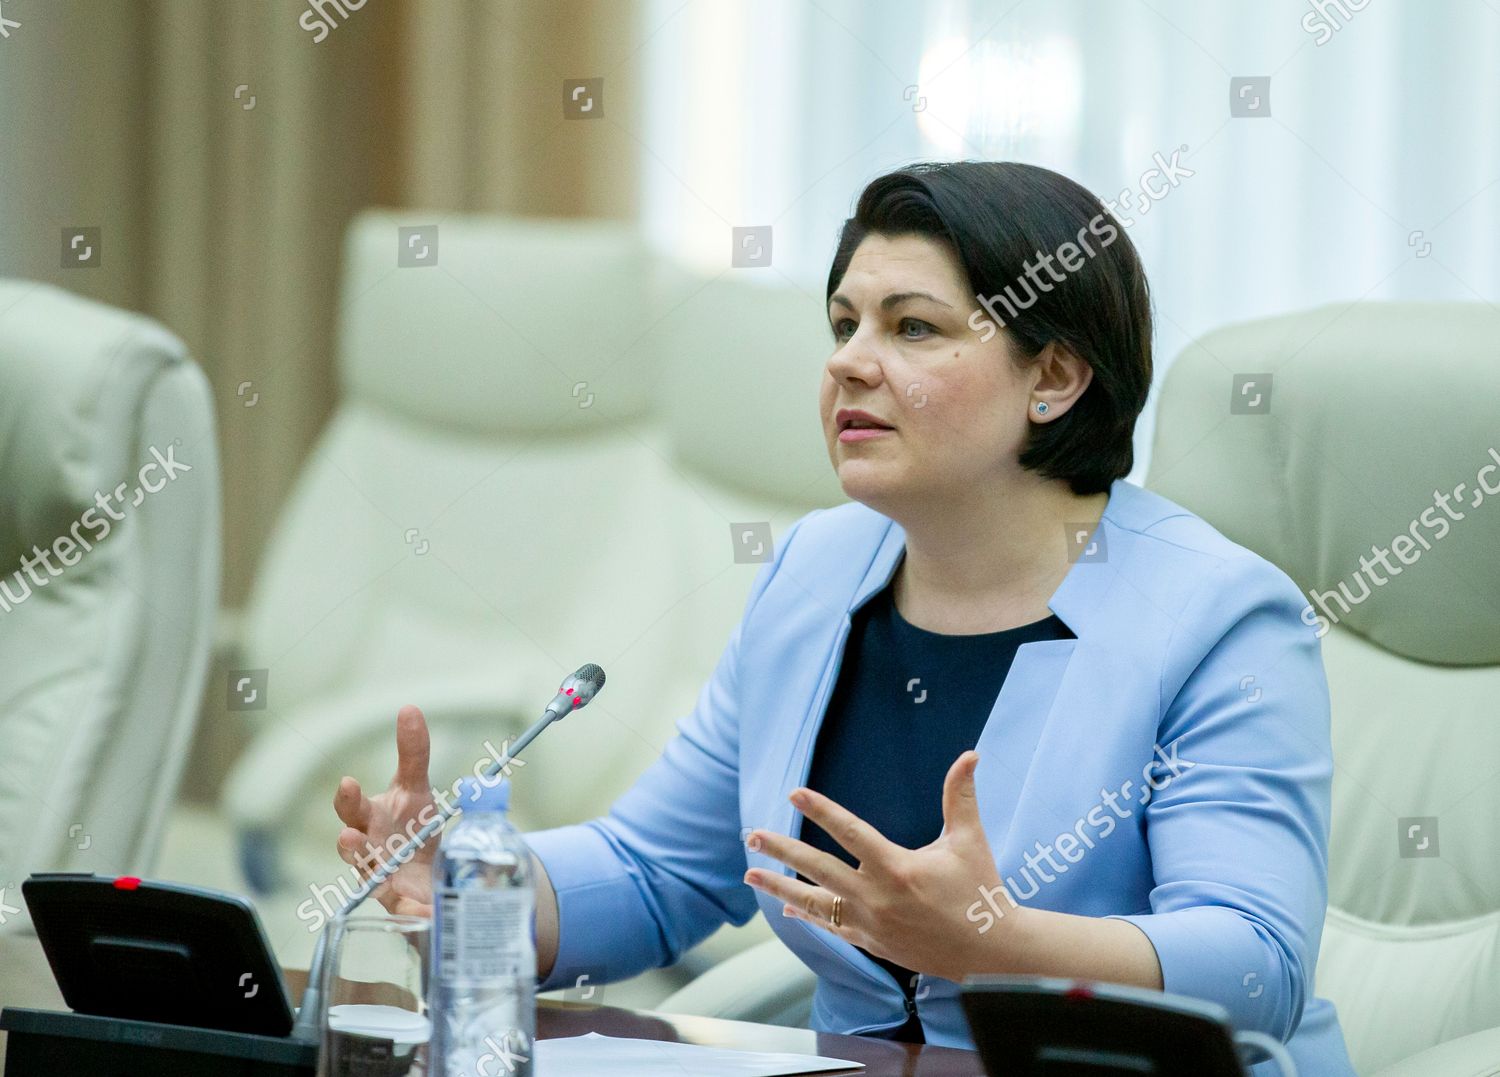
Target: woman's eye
[[911, 328]]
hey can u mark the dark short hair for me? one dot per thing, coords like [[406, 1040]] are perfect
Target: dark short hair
[[998, 216]]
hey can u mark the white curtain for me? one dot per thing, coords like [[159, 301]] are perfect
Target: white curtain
[[1376, 174]]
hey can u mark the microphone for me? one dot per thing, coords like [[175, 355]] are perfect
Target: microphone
[[577, 690]]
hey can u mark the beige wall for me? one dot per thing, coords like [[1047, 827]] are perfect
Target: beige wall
[[225, 222]]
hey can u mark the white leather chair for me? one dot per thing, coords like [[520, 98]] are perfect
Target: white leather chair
[[104, 661], [455, 539], [1371, 410], [501, 496]]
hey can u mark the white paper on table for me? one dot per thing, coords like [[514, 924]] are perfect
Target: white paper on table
[[594, 1055]]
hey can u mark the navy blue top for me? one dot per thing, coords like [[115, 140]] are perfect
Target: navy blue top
[[907, 703]]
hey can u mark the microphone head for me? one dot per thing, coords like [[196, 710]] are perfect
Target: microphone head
[[580, 687], [592, 673]]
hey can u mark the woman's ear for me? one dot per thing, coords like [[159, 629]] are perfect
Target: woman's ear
[[1059, 377]]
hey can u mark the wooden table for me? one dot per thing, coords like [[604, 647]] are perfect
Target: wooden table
[[881, 1058]]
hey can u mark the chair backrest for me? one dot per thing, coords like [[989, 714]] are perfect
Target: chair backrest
[[473, 507], [540, 445], [104, 658], [1356, 447]]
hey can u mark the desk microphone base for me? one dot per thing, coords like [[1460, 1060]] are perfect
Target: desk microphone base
[[41, 1043]]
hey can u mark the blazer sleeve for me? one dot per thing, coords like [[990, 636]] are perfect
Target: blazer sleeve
[[1237, 823], [665, 866]]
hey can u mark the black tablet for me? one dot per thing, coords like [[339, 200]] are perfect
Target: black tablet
[[1044, 1027], [159, 952]]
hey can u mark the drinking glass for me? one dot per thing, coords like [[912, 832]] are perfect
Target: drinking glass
[[375, 1021]]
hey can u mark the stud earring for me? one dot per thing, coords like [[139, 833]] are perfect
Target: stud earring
[[1041, 407]]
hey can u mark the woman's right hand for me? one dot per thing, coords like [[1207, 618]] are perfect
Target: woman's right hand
[[370, 822]]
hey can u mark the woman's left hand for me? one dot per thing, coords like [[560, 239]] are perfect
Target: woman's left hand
[[905, 905]]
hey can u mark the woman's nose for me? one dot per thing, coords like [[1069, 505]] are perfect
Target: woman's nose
[[855, 360]]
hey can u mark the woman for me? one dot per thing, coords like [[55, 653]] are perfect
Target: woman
[[1149, 799]]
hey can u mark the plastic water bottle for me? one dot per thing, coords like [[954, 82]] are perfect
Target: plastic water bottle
[[482, 993]]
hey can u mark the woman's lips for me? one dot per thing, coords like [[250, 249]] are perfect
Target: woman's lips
[[863, 433]]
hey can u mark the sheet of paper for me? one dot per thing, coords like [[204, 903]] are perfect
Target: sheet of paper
[[594, 1055]]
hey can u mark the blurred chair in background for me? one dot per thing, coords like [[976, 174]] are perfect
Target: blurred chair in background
[[542, 442], [105, 660], [1367, 415]]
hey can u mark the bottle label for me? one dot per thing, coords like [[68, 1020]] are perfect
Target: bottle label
[[486, 935]]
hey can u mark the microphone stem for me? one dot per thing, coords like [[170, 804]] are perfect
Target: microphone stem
[[389, 867], [306, 1027]]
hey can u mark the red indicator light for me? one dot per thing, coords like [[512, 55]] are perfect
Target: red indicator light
[[127, 882]]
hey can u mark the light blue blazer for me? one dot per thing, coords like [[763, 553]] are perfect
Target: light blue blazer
[[1170, 766]]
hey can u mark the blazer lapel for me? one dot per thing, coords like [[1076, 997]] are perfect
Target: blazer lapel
[[1007, 745], [785, 818]]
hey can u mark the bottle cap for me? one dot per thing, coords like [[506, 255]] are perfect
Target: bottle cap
[[486, 794]]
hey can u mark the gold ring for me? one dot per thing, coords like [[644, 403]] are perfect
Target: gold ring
[[837, 916]]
